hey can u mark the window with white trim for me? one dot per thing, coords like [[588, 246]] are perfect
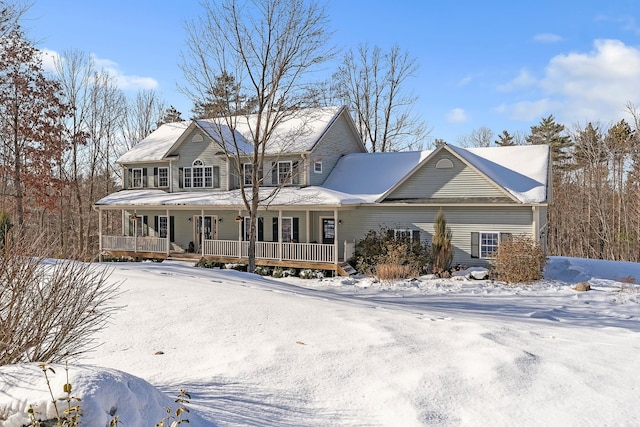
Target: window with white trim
[[247, 168], [489, 244], [136, 178], [201, 176], [163, 177], [285, 172], [287, 229], [317, 167], [406, 233]]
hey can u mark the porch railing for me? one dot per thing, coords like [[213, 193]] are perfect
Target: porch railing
[[135, 244], [302, 252]]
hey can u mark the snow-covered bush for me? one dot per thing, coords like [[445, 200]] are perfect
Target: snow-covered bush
[[519, 259], [307, 273], [263, 270]]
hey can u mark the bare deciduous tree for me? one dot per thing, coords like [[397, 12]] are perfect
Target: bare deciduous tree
[[373, 85], [144, 112], [267, 47], [481, 137]]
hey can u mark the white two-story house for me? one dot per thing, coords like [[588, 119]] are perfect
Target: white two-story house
[[181, 194]]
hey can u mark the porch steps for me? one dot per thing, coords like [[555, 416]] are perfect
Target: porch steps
[[345, 269]]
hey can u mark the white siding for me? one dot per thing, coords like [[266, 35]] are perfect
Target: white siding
[[340, 139], [457, 182], [206, 152], [462, 220]]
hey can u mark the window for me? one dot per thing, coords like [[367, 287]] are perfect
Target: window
[[163, 177], [136, 178], [259, 229], [201, 176], [247, 168], [488, 244], [317, 167], [163, 223], [284, 172], [406, 233]]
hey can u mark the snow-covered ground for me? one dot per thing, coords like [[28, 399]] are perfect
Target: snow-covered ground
[[354, 352]]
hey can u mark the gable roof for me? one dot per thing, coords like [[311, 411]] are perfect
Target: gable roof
[[370, 175], [520, 171], [299, 132]]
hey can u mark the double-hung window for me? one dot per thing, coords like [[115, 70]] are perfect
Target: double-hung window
[[285, 170], [163, 177], [136, 178], [247, 168], [488, 244]]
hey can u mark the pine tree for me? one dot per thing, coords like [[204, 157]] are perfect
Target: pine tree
[[551, 133], [505, 139], [171, 115], [441, 247], [223, 99]]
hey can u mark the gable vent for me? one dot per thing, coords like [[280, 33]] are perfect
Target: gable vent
[[444, 164], [197, 138]]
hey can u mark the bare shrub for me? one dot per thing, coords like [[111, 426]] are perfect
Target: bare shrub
[[388, 257], [519, 259], [50, 309]]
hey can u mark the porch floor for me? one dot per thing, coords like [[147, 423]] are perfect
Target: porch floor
[[342, 269]]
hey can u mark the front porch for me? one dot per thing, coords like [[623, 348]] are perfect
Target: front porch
[[205, 234], [277, 254]]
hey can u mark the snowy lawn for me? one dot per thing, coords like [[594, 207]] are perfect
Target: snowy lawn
[[292, 352]]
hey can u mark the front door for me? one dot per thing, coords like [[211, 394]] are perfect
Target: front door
[[328, 230], [204, 227]]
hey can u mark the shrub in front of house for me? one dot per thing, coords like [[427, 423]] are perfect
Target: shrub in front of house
[[387, 256], [307, 273], [519, 259], [263, 270]]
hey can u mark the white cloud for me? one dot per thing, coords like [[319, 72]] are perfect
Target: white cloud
[[523, 80], [465, 81], [578, 86], [125, 81], [547, 38], [48, 59], [457, 115]]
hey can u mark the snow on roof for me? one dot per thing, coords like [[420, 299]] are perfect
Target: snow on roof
[[155, 146], [369, 175], [522, 170], [287, 196], [298, 132], [364, 177]]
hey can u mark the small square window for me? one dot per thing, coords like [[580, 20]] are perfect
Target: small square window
[[488, 244], [317, 167]]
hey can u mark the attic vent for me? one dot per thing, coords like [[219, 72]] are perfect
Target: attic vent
[[444, 164], [197, 138]]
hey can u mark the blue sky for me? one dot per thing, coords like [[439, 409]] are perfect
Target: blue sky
[[499, 64]]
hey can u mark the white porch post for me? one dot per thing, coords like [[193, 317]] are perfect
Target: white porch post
[[202, 231], [135, 231], [308, 228], [335, 236], [168, 232], [240, 233], [280, 235], [100, 234]]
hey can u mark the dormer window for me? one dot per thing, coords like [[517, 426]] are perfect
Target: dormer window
[[444, 164], [197, 138]]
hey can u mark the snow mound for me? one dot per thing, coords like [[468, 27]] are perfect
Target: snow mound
[[105, 393]]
